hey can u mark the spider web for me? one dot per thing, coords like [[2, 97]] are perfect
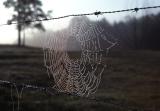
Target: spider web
[[79, 76]]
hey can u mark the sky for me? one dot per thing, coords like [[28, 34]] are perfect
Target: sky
[[65, 7]]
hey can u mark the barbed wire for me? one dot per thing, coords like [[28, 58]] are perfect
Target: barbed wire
[[84, 14], [52, 91]]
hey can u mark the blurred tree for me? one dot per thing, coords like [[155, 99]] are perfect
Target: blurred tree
[[26, 11]]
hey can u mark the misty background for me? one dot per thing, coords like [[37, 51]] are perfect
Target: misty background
[[134, 33], [129, 27]]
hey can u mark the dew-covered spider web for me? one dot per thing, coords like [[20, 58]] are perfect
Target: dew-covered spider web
[[73, 57]]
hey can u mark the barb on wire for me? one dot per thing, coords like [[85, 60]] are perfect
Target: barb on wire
[[86, 14]]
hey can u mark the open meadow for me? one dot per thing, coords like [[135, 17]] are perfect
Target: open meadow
[[130, 82]]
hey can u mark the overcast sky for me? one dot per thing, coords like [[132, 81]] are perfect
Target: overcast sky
[[65, 7]]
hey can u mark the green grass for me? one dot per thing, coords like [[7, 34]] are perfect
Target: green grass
[[131, 79]]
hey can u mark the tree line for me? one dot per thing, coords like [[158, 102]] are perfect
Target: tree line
[[136, 33]]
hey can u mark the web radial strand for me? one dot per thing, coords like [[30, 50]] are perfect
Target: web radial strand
[[79, 76]]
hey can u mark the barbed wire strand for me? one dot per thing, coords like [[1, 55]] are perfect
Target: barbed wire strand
[[85, 14], [52, 91]]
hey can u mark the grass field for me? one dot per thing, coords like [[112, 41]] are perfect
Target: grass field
[[131, 82]]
